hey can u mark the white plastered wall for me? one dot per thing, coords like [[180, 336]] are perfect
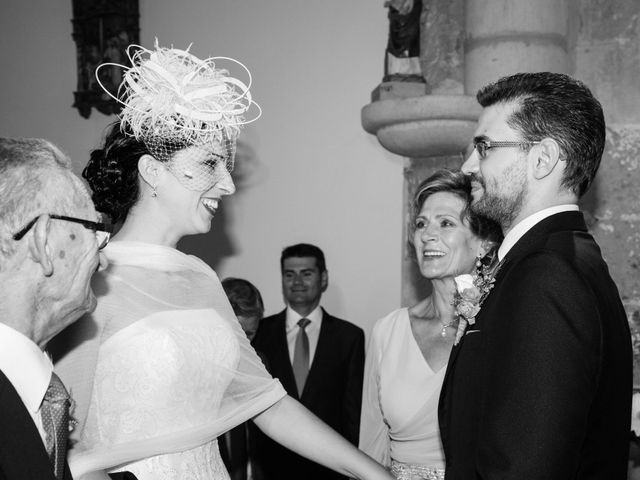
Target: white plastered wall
[[313, 174]]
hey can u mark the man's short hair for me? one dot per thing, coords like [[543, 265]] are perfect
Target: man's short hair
[[244, 297], [304, 250], [556, 106], [35, 178]]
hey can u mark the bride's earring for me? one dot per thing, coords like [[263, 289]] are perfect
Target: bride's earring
[[148, 168]]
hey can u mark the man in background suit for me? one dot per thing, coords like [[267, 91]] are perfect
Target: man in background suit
[[540, 386], [46, 263], [319, 359]]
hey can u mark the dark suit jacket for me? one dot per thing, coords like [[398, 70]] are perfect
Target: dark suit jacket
[[333, 390], [22, 453], [540, 386]]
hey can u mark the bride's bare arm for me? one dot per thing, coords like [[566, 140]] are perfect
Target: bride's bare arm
[[289, 423]]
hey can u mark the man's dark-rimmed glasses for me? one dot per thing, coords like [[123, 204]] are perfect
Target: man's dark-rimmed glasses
[[482, 146], [102, 231]]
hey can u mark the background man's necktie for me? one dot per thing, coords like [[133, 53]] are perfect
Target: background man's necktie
[[301, 355], [55, 420]]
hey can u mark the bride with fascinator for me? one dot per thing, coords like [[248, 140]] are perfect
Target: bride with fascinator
[[162, 367]]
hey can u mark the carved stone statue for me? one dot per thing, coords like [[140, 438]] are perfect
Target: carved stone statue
[[402, 61]]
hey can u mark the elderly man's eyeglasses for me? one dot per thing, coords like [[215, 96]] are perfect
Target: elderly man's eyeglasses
[[483, 146], [102, 231]]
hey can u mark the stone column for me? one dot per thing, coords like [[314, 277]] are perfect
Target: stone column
[[438, 120], [509, 36]]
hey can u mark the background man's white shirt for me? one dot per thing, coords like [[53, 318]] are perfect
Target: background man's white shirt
[[313, 330]]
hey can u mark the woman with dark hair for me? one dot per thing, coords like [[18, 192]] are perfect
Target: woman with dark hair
[[162, 368], [409, 348]]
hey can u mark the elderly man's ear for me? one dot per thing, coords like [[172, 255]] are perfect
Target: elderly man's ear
[[39, 245]]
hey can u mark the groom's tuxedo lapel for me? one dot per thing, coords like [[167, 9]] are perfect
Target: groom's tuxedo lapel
[[529, 241], [476, 326], [568, 221], [22, 452], [443, 410]]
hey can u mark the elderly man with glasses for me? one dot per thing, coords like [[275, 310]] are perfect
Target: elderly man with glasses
[[49, 249]]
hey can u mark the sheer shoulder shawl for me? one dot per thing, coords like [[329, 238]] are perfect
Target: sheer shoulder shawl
[[162, 365]]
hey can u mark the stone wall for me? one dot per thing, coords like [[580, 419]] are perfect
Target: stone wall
[[607, 58]]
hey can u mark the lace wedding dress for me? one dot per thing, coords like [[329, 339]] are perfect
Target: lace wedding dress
[[161, 369]]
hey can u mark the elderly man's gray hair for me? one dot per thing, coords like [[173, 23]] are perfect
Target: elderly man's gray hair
[[35, 178]]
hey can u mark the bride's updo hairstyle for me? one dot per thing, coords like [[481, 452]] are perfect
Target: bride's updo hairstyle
[[172, 101], [112, 173]]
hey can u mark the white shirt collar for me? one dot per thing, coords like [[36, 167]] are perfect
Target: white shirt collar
[[293, 317], [26, 366], [522, 227]]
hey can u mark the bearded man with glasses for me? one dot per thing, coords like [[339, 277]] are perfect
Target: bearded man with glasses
[[49, 249], [540, 386]]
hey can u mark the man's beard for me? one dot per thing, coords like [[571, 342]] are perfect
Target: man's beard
[[505, 201]]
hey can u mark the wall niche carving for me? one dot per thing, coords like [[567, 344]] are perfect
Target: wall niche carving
[[102, 30]]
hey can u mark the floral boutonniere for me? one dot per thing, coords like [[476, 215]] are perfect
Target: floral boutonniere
[[471, 290]]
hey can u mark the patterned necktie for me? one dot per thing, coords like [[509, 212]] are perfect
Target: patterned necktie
[[301, 355], [55, 420]]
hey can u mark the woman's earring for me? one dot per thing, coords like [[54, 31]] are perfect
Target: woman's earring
[[479, 260], [154, 194]]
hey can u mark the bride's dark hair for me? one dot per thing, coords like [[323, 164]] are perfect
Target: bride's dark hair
[[112, 173]]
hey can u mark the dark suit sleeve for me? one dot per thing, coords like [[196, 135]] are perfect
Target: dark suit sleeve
[[542, 370], [353, 391]]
